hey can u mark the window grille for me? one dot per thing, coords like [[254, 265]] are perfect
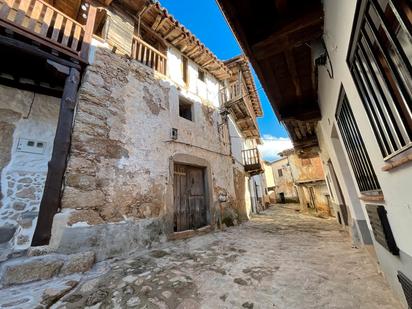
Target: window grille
[[380, 58], [355, 147]]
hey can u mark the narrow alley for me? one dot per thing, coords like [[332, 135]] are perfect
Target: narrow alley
[[280, 259]]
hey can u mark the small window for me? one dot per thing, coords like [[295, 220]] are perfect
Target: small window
[[185, 109], [201, 75], [280, 172], [185, 70], [40, 145], [30, 143], [101, 25]]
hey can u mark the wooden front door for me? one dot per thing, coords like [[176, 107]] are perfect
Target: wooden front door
[[189, 198]]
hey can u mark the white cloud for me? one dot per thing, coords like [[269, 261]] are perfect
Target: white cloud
[[272, 145]]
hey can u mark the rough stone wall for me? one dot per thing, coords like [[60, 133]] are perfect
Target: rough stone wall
[[23, 115], [306, 169], [285, 183], [119, 166], [319, 203]]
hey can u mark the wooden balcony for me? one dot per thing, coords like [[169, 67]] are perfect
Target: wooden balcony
[[148, 55], [48, 27], [236, 100], [252, 162], [231, 93]]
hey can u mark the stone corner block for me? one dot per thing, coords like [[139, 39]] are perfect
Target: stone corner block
[[78, 263], [24, 270]]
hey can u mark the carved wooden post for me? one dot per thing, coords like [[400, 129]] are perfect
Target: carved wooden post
[[50, 202]]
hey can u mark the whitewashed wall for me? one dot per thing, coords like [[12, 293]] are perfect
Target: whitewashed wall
[[396, 185], [206, 90], [24, 176]]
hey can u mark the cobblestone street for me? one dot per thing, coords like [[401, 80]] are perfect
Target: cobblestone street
[[280, 259]]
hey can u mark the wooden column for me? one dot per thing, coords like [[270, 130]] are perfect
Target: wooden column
[[88, 33], [50, 202]]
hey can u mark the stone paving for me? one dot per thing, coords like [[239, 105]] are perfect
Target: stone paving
[[280, 259]]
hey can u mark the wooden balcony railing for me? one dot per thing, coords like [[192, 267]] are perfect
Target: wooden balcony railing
[[231, 93], [148, 55], [252, 161], [42, 22]]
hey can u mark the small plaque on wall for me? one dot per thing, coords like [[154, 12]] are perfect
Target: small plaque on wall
[[31, 146]]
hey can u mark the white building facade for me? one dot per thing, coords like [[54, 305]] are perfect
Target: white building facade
[[366, 126]]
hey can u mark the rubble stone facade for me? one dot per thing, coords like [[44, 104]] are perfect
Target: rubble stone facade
[[121, 161]]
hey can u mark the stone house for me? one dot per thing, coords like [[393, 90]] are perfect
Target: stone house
[[342, 86], [242, 103], [283, 189], [309, 181], [119, 135], [298, 179]]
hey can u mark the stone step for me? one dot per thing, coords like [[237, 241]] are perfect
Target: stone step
[[34, 268]]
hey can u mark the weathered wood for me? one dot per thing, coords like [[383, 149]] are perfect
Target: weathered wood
[[148, 55], [32, 50], [157, 22], [88, 32], [189, 198], [50, 202], [45, 24], [293, 72]]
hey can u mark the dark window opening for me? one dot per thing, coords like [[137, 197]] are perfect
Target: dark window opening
[[185, 109], [101, 24], [201, 75], [185, 69], [280, 172]]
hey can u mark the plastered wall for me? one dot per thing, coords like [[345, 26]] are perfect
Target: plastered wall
[[25, 118], [339, 16]]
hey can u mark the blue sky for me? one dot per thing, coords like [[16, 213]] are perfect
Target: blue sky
[[204, 19]]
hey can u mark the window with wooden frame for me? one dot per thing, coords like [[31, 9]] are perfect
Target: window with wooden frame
[[201, 75], [359, 159], [379, 59], [280, 172], [185, 70]]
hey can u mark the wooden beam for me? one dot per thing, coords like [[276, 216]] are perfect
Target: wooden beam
[[293, 72], [40, 88], [51, 198], [107, 2], [183, 49], [193, 50], [313, 19], [35, 51], [196, 53], [162, 22], [208, 62], [169, 34], [178, 39], [156, 22]]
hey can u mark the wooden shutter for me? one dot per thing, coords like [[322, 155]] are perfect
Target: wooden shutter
[[381, 228]]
